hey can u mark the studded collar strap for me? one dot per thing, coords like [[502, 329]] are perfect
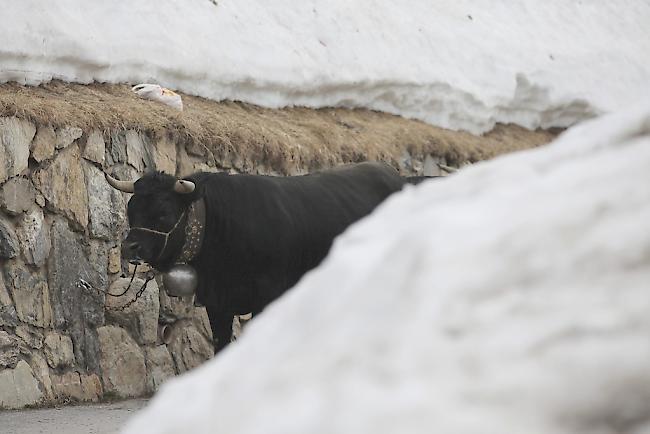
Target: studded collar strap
[[194, 231]]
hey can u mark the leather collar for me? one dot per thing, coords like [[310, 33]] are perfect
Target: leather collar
[[194, 232]]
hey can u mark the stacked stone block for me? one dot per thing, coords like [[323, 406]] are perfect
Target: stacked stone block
[[61, 223]]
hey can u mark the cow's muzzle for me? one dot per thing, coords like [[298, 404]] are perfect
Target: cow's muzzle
[[131, 251]]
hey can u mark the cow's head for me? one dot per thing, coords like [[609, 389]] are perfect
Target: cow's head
[[157, 216]]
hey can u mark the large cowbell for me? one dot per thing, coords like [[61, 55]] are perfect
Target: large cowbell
[[181, 280]]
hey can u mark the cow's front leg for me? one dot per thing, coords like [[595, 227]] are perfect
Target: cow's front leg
[[221, 325]]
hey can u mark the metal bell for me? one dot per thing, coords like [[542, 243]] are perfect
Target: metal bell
[[180, 280]]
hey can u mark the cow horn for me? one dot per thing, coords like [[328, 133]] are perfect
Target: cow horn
[[125, 186], [183, 186]]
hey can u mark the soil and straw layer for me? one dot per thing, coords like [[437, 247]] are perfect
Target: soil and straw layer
[[282, 139]]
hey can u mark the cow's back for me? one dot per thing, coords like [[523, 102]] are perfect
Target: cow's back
[[341, 196], [324, 204], [268, 231]]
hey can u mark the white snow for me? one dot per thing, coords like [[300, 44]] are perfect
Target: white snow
[[512, 297], [460, 64]]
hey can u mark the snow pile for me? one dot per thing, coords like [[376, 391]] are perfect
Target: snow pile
[[510, 297], [459, 64]]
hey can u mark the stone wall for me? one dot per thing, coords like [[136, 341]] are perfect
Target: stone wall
[[61, 225], [61, 338]]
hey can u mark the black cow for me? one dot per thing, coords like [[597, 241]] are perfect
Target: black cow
[[261, 233]]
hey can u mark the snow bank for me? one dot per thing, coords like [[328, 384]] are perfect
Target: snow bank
[[510, 297], [459, 64]]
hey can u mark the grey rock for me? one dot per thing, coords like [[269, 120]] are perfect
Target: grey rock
[[17, 196], [15, 138], [66, 385], [114, 260], [78, 386], [106, 208], [76, 310], [91, 387], [160, 366], [5, 298], [63, 185], [9, 350], [58, 350], [31, 336], [30, 294], [188, 164], [185, 163], [239, 324], [42, 146], [90, 350], [95, 148], [122, 363], [137, 150], [40, 200], [140, 318], [201, 318], [8, 316], [405, 162], [164, 155], [116, 152], [19, 387], [417, 167], [188, 347], [42, 374], [196, 149], [34, 237], [431, 167], [9, 247], [66, 136], [174, 308], [98, 259]]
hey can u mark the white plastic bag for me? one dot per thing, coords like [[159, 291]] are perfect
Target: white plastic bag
[[155, 92]]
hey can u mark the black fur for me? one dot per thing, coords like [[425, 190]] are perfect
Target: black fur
[[262, 233], [415, 180]]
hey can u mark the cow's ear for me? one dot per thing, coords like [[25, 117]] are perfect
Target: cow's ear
[[183, 186]]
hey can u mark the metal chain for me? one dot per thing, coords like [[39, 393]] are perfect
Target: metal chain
[[150, 277], [81, 283]]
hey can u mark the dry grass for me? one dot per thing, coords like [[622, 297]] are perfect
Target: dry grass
[[280, 139]]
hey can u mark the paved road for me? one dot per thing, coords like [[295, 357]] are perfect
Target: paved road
[[82, 419]]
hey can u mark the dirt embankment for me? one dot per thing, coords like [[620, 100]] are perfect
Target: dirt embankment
[[281, 139]]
